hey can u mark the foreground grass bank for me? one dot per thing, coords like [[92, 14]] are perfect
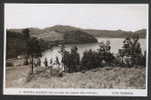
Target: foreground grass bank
[[107, 77]]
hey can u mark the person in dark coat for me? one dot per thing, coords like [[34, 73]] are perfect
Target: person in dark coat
[[57, 61], [39, 62], [46, 62], [107, 46], [66, 60]]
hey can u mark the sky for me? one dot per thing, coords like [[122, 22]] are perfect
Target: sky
[[129, 17]]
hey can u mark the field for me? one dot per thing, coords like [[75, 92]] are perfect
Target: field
[[107, 77]]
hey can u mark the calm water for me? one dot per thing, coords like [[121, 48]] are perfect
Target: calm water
[[116, 43]]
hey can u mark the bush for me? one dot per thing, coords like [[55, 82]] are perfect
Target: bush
[[90, 60], [9, 64], [71, 60], [132, 48]]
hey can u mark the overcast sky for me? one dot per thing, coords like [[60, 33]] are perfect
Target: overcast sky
[[130, 17]]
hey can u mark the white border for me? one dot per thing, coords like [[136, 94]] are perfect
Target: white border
[[76, 92]]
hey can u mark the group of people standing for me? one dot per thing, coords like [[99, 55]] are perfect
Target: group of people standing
[[38, 62], [105, 52], [105, 47], [131, 46], [131, 52], [50, 63]]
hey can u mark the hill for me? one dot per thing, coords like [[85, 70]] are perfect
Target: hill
[[142, 33], [115, 33], [57, 32], [48, 37]]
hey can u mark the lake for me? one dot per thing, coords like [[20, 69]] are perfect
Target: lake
[[116, 43]]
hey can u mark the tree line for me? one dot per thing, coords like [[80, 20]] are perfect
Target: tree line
[[129, 55]]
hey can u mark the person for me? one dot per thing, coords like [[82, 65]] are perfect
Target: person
[[62, 49], [127, 46], [101, 52], [126, 42], [136, 45], [127, 60], [107, 46], [102, 48], [46, 62], [108, 55], [39, 61], [57, 61], [35, 62], [50, 63], [136, 49]]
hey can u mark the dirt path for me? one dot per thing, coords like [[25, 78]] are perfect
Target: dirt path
[[15, 76]]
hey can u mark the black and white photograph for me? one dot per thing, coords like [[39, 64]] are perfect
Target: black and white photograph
[[76, 49]]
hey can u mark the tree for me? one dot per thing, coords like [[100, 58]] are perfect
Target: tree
[[34, 49], [75, 59], [136, 51], [70, 60], [132, 49], [62, 49], [26, 36], [26, 33], [91, 59]]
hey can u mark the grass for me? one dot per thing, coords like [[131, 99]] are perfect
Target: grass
[[107, 77]]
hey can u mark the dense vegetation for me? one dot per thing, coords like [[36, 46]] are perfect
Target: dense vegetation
[[129, 55], [108, 69], [17, 43], [26, 43], [78, 37]]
